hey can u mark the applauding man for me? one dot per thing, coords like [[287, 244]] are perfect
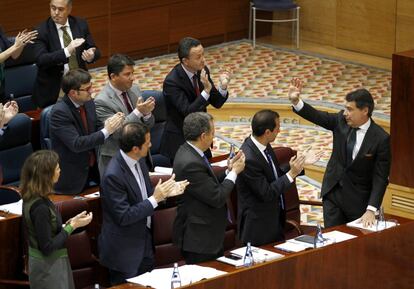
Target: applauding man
[[188, 88]]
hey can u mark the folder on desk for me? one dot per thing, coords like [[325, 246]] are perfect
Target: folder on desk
[[259, 256]]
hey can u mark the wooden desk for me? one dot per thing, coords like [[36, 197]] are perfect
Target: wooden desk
[[373, 260]]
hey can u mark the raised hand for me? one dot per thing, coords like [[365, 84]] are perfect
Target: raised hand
[[204, 80], [114, 122], [311, 156], [74, 44], [295, 88], [225, 77], [179, 188], [10, 110], [147, 106], [296, 165], [24, 37], [238, 162]]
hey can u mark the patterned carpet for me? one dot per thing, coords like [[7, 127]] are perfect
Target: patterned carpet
[[262, 76]]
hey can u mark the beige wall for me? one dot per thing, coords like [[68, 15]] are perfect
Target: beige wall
[[375, 27]]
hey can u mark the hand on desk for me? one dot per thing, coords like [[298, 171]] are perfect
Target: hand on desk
[[367, 219]]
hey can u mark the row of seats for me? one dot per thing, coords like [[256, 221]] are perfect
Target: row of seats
[[83, 248]]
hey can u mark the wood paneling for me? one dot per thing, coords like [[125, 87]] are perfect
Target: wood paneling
[[402, 122], [16, 15], [99, 29], [139, 30], [366, 26], [405, 25]]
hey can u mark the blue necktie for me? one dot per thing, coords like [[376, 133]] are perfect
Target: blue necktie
[[272, 167]]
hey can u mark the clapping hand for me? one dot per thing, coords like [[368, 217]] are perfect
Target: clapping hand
[[89, 54], [311, 156], [147, 106], [24, 37], [10, 109], [225, 77], [204, 80], [74, 44], [114, 122], [295, 88]]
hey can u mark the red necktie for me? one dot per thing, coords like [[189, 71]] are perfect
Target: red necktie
[[195, 84], [82, 112], [126, 101]]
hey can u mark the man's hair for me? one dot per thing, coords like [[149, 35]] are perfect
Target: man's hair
[[132, 134], [36, 177], [73, 79], [263, 120], [195, 124], [68, 2], [362, 98], [117, 62], [185, 46]]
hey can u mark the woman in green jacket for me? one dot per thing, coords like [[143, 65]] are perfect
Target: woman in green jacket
[[49, 265]]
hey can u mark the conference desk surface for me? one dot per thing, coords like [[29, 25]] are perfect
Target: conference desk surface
[[372, 260]]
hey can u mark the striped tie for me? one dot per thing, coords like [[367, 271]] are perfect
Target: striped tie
[[73, 62]]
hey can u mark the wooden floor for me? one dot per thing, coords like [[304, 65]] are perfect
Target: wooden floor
[[380, 62]]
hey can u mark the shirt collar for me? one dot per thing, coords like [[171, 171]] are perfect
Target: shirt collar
[[129, 161], [200, 152], [59, 26], [189, 73], [366, 125], [258, 144], [117, 91], [77, 105]]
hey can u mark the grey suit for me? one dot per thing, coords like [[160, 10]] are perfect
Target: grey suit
[[107, 104]]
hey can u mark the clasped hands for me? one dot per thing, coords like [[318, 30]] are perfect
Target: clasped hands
[[169, 188], [80, 220], [7, 112], [87, 54], [145, 107]]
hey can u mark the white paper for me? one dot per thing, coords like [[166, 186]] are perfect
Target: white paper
[[259, 256], [378, 226], [338, 236], [293, 246], [161, 278], [93, 195], [221, 164], [163, 171], [13, 208]]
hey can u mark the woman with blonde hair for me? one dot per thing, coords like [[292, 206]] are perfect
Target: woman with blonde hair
[[49, 265]]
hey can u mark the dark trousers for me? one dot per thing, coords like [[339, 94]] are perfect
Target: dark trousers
[[336, 210], [146, 265], [195, 258]]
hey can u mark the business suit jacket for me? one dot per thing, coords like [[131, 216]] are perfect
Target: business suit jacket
[[107, 104], [260, 219], [73, 144], [201, 213], [365, 180], [181, 100], [122, 239], [50, 58]]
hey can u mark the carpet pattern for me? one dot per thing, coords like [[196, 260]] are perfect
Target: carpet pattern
[[262, 75]]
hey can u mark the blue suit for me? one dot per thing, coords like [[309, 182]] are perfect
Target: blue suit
[[122, 239]]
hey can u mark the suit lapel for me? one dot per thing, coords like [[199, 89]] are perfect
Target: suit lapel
[[75, 113], [367, 142], [187, 82], [259, 157], [130, 179], [201, 161], [115, 100]]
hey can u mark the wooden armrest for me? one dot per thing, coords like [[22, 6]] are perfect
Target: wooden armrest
[[22, 283], [295, 225], [312, 203]]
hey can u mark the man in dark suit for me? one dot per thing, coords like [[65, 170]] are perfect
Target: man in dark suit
[[75, 135], [356, 176], [189, 88], [201, 214], [263, 183], [128, 202], [64, 42]]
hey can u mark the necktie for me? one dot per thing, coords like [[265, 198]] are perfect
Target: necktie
[[73, 62], [350, 144], [82, 113], [126, 101], [143, 188], [195, 85], [272, 167]]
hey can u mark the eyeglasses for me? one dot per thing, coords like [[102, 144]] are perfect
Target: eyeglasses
[[87, 89]]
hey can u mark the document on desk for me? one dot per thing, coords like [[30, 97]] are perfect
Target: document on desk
[[161, 278], [13, 208], [235, 257], [378, 226], [162, 171]]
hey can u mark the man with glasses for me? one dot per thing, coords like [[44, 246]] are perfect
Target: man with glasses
[[64, 43], [75, 135]]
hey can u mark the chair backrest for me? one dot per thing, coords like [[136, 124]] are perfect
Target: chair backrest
[[160, 115], [15, 147], [19, 81], [45, 142], [9, 195]]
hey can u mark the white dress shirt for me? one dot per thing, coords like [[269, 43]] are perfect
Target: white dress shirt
[[60, 33]]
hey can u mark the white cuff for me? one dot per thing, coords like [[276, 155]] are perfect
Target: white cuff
[[299, 105]]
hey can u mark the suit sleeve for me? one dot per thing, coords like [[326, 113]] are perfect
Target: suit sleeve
[[115, 197], [44, 58], [380, 173], [176, 96], [324, 119], [62, 127], [256, 181], [89, 43], [203, 187]]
